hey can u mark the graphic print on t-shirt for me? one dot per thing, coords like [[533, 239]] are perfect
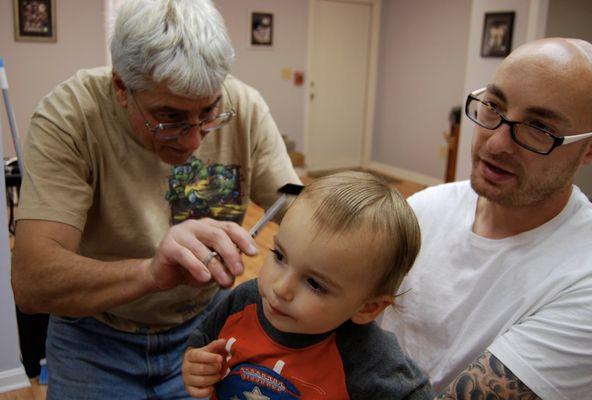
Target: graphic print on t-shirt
[[198, 190], [270, 369], [255, 382]]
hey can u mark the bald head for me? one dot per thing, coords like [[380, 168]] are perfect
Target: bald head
[[563, 50], [569, 59], [558, 72]]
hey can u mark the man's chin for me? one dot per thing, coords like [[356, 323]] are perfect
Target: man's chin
[[174, 158], [487, 190], [505, 197]]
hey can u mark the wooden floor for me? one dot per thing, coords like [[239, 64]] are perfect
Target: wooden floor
[[34, 392], [252, 264]]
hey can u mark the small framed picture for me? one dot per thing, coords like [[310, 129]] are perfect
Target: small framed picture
[[34, 20], [261, 29], [497, 34]]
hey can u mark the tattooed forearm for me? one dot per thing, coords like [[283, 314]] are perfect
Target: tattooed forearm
[[487, 378]]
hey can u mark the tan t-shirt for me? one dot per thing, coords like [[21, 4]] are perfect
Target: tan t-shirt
[[85, 168]]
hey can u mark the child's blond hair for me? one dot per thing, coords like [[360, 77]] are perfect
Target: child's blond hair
[[361, 202]]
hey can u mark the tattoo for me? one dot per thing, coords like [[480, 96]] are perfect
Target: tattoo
[[487, 378]]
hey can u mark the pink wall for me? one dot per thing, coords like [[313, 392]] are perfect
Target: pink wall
[[527, 26], [33, 69], [261, 68], [421, 74]]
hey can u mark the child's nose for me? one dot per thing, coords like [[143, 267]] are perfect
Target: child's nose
[[283, 288]]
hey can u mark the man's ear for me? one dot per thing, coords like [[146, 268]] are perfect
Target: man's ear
[[120, 89], [372, 308], [588, 154]]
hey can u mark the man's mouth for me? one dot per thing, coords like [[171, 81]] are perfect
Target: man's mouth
[[494, 172], [176, 150]]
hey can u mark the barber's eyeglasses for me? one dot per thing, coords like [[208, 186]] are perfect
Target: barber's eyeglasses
[[174, 130], [525, 134]]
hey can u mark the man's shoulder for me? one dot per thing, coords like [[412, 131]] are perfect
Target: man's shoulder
[[86, 80], [80, 94], [445, 196], [242, 94], [583, 204], [460, 188]]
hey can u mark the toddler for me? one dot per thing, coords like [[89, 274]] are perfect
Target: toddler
[[304, 329]]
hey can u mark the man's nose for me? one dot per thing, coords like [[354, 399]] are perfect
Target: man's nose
[[192, 138], [500, 140]]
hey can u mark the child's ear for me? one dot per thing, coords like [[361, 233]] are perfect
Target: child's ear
[[370, 310]]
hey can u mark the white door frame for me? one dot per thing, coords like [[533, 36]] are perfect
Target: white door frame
[[372, 77]]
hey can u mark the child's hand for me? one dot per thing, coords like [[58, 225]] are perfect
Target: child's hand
[[202, 368]]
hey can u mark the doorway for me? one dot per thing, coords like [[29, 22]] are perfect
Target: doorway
[[342, 68]]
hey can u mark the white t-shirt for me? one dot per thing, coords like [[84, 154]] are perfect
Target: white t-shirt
[[526, 298]]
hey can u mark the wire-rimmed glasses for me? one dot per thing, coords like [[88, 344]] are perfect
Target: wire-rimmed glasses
[[527, 135], [174, 130]]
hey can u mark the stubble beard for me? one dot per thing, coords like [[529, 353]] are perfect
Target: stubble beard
[[528, 189]]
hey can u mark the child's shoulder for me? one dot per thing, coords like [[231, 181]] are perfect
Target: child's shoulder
[[246, 292], [370, 338], [247, 287], [376, 366]]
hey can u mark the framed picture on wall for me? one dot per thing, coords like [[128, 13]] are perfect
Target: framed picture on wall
[[34, 20], [261, 29], [497, 34]]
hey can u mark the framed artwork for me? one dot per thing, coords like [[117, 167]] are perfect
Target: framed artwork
[[34, 20], [497, 34], [261, 29]]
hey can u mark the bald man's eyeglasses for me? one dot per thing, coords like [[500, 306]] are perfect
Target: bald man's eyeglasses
[[527, 135]]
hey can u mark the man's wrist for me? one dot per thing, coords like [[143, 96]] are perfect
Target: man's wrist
[[148, 282]]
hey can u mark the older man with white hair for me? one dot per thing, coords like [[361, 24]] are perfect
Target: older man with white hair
[[134, 176]]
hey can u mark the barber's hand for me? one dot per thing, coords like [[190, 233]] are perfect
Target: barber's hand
[[180, 256]]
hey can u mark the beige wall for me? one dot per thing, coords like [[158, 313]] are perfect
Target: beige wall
[[12, 375], [262, 67], [421, 74], [33, 69], [571, 18]]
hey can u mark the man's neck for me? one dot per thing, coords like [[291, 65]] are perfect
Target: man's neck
[[494, 221]]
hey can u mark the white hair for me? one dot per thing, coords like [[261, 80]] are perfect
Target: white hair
[[181, 43]]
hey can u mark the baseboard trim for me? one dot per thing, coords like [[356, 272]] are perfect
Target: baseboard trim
[[13, 379], [403, 174]]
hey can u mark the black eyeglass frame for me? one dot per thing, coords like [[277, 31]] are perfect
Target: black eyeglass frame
[[185, 127], [557, 140]]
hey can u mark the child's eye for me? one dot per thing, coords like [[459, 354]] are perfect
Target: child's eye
[[315, 286], [278, 256]]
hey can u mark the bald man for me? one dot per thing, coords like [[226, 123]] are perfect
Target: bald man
[[499, 302]]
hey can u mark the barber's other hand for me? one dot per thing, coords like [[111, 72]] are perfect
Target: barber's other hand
[[180, 255]]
